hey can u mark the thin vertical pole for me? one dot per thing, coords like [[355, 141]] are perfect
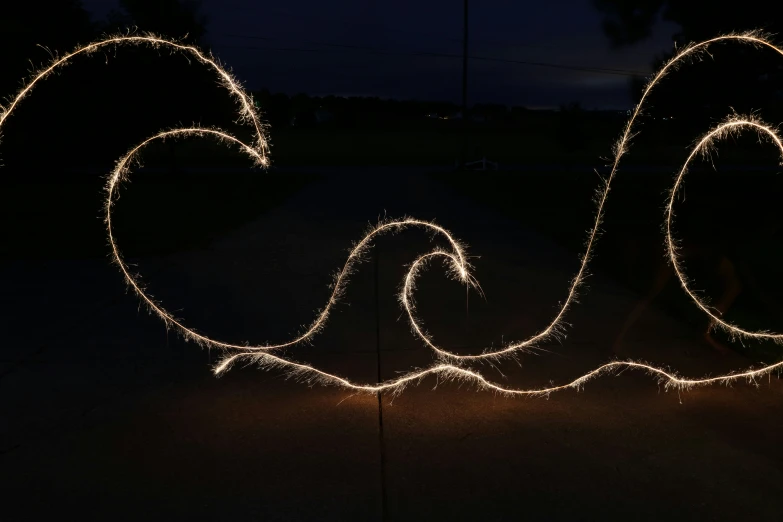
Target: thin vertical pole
[[382, 442], [465, 85], [465, 63]]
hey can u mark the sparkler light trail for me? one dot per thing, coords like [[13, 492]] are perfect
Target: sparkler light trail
[[447, 365]]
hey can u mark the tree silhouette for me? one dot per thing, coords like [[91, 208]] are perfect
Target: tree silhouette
[[747, 79], [630, 21]]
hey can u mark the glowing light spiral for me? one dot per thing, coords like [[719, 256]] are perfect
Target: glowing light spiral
[[447, 365]]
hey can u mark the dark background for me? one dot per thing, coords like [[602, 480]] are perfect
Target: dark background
[[111, 416]]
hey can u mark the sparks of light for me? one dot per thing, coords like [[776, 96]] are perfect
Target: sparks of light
[[448, 365]]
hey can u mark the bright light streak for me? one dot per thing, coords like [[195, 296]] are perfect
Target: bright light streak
[[731, 126], [247, 113], [448, 365]]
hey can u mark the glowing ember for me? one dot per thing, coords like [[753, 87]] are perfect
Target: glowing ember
[[448, 365]]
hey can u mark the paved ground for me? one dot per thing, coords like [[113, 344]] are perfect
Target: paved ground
[[105, 415]]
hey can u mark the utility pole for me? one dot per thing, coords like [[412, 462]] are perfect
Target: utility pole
[[465, 62], [465, 86]]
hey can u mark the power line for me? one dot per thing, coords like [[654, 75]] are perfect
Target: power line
[[384, 52], [335, 47], [278, 12], [601, 70]]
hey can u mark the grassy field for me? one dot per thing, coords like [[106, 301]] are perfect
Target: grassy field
[[431, 147], [543, 139], [538, 142]]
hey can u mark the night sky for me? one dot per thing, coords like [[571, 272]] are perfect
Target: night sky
[[369, 47]]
